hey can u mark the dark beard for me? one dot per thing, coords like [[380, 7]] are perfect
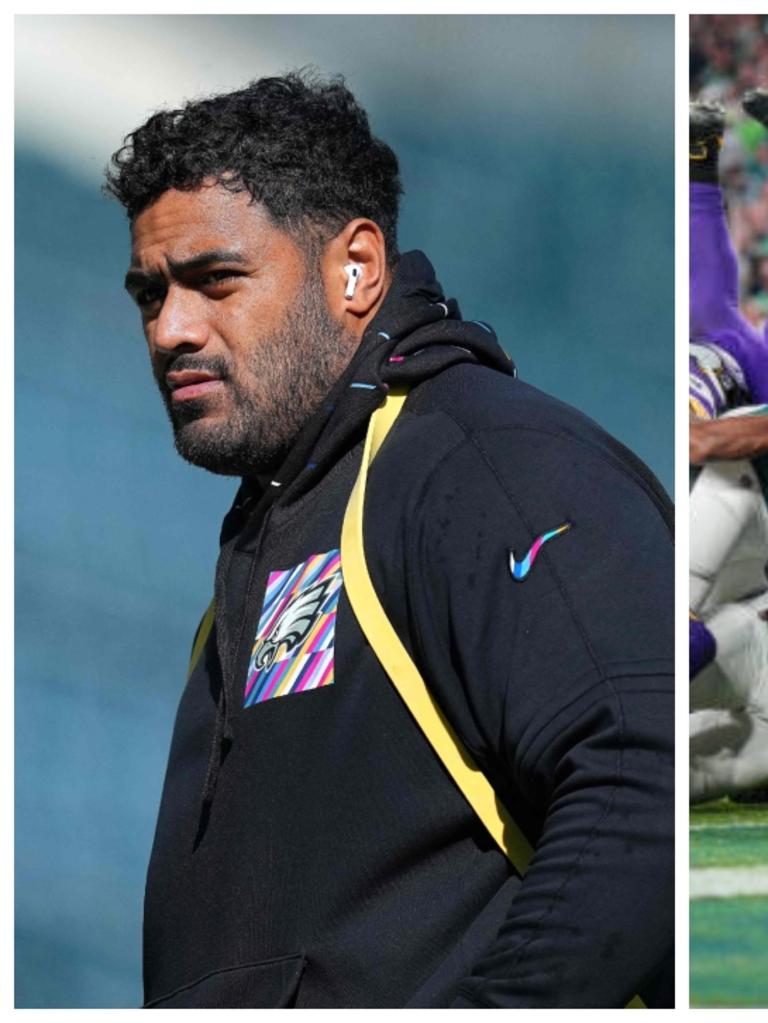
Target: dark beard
[[291, 372]]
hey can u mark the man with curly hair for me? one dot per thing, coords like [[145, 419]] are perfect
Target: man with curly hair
[[311, 850]]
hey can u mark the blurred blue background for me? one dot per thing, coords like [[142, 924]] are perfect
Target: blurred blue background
[[537, 157]]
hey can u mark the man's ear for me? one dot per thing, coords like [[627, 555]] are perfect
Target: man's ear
[[355, 275]]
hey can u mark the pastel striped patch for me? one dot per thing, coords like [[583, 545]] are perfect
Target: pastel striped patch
[[294, 645]]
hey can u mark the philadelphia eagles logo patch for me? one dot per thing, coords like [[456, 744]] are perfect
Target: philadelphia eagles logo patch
[[294, 643]]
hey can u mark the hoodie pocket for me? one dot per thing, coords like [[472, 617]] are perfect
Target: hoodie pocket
[[440, 989], [269, 984]]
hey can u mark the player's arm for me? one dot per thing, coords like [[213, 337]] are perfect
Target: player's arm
[[737, 437], [569, 679]]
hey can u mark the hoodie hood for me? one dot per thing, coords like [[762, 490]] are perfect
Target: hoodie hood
[[416, 334]]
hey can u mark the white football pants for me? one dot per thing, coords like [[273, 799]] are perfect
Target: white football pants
[[729, 698]]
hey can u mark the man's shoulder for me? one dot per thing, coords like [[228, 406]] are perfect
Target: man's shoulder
[[477, 400], [470, 421]]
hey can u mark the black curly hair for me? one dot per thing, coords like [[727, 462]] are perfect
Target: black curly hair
[[300, 145]]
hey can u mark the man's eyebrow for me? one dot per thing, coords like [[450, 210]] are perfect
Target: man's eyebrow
[[136, 278], [204, 259]]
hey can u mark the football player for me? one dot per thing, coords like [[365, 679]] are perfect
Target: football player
[[729, 515]]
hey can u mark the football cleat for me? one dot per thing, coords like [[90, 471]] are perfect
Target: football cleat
[[755, 103], [706, 123]]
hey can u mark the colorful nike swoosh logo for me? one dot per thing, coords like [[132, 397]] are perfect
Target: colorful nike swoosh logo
[[520, 569]]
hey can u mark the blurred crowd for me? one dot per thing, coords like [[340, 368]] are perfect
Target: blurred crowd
[[729, 55]]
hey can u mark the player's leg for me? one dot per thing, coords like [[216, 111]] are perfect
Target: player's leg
[[715, 315], [714, 273], [737, 671], [725, 500], [729, 753], [729, 744], [755, 104]]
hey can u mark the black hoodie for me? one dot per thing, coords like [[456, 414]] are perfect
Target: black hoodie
[[310, 850]]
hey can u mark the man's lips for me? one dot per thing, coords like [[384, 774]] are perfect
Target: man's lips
[[188, 383]]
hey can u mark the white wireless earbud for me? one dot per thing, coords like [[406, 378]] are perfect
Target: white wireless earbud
[[354, 272]]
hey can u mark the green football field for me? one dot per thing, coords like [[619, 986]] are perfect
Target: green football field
[[729, 904]]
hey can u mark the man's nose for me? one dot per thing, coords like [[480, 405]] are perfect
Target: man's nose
[[181, 323]]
